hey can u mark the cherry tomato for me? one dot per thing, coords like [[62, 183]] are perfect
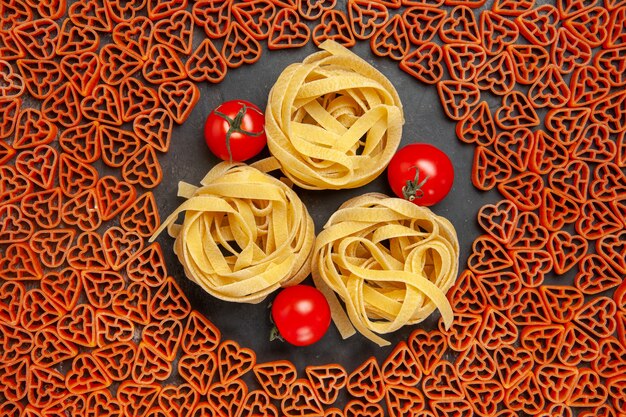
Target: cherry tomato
[[420, 173], [301, 314], [235, 130]]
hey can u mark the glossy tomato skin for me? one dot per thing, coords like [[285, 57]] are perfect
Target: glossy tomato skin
[[427, 168], [301, 314], [238, 126]]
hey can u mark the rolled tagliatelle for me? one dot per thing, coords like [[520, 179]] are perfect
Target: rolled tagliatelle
[[244, 233], [333, 121], [390, 261]]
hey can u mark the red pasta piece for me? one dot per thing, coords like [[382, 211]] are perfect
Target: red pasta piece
[[62, 288], [256, 16], [529, 61], [462, 332], [103, 105], [226, 398], [424, 63], [113, 196], [91, 14], [458, 98], [240, 47], [136, 399], [611, 110], [111, 328], [9, 110], [548, 154], [366, 17], [532, 266], [616, 35], [134, 36], [577, 346], [45, 387], [81, 142], [404, 400], [566, 250], [19, 263], [512, 364], [102, 286], [164, 338], [39, 165], [11, 409], [124, 11], [15, 342], [178, 400], [516, 147], [301, 400], [198, 370], [549, 90], [148, 267], [13, 185], [87, 252], [516, 111], [170, 302], [82, 211], [611, 63], [234, 360], [334, 25], [500, 288], [557, 210], [496, 32], [50, 349], [588, 85], [463, 60], [465, 295], [118, 145], [15, 379], [608, 363], [41, 76], [9, 48], [562, 302], [496, 330], [117, 63], [475, 364], [313, 10], [207, 64], [213, 16], [526, 396], [258, 400], [539, 25], [428, 348], [356, 408], [611, 248], [101, 403], [608, 183], [478, 126], [450, 407], [143, 168], [442, 383], [556, 381], [277, 377], [176, 31], [33, 130], [391, 39], [159, 9], [163, 64], [82, 71], [499, 220], [16, 13], [136, 99], [38, 37], [597, 317], [571, 180], [595, 275], [528, 309], [63, 106], [543, 341], [14, 227], [116, 359], [11, 294], [569, 52], [597, 220], [134, 303], [497, 74], [149, 367], [142, 216], [86, 375], [74, 40], [488, 256], [588, 390], [400, 367], [460, 26], [423, 23], [367, 381], [79, 326], [327, 381], [590, 26], [179, 99], [484, 396], [75, 176], [155, 128]]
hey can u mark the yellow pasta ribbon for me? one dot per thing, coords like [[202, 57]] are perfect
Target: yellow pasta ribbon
[[244, 233], [390, 261], [333, 121]]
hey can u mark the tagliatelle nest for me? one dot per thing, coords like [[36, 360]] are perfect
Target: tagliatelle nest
[[390, 261], [333, 121], [244, 233]]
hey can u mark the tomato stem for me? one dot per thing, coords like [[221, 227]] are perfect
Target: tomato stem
[[234, 126], [413, 188]]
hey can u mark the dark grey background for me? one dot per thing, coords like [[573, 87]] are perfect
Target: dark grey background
[[189, 159]]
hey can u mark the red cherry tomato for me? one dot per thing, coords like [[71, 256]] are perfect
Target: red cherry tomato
[[301, 314], [235, 131], [420, 173]]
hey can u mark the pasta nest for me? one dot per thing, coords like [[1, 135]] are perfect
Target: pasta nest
[[333, 121], [390, 261], [244, 233]]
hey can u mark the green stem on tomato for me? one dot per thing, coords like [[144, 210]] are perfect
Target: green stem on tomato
[[234, 126], [413, 188]]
